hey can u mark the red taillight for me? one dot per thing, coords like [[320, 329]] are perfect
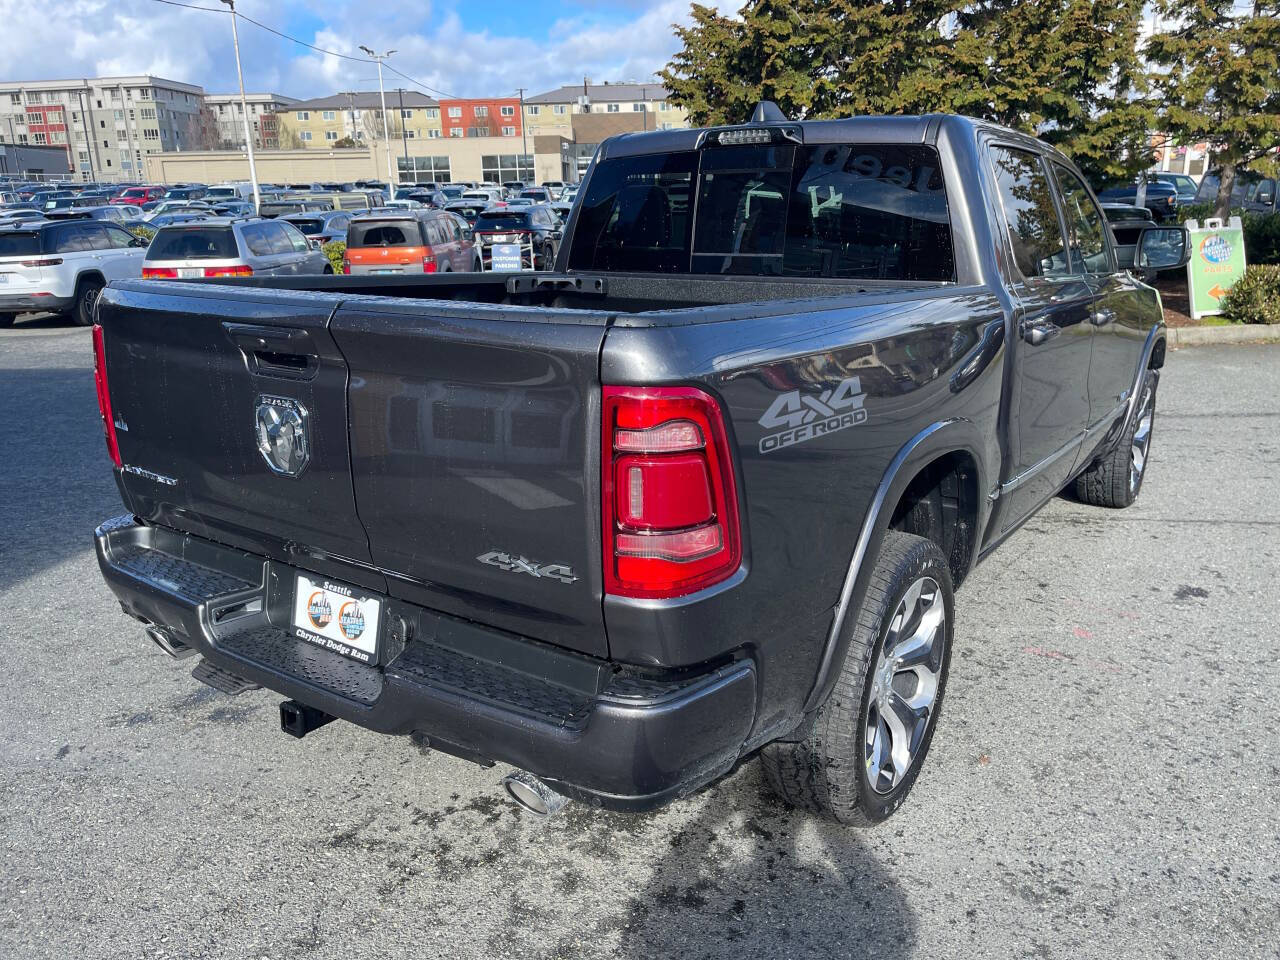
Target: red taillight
[[104, 394], [159, 273], [429, 264], [50, 262], [346, 265], [244, 270], [670, 500]]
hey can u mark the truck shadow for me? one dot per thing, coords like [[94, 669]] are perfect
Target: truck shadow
[[750, 877]]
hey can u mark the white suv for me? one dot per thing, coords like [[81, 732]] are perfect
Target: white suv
[[61, 267]]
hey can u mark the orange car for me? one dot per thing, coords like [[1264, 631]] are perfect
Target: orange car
[[412, 241]]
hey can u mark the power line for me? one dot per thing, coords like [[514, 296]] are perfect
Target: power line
[[310, 46]]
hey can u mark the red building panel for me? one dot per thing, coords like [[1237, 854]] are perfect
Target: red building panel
[[480, 118]]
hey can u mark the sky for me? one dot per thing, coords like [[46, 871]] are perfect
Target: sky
[[454, 48]]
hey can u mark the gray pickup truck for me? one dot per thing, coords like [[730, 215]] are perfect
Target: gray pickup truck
[[701, 493]]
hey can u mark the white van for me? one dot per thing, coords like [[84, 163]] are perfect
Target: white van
[[230, 191]]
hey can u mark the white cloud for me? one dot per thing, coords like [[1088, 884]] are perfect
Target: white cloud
[[98, 37]]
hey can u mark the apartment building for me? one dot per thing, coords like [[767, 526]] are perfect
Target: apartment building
[[356, 117], [494, 117], [635, 106], [108, 125], [225, 120]]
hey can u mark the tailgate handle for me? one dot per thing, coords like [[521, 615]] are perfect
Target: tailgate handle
[[275, 351]]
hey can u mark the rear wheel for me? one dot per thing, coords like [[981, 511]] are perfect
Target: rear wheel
[[87, 292], [863, 750], [7, 320], [1116, 479]]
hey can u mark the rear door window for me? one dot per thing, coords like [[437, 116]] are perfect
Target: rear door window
[[389, 233], [193, 243], [118, 237], [1035, 232], [258, 239], [297, 242], [73, 238]]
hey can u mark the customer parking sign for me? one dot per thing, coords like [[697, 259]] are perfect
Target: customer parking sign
[[1217, 262]]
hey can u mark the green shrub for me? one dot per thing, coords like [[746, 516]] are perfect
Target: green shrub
[[334, 250], [146, 233], [1255, 298]]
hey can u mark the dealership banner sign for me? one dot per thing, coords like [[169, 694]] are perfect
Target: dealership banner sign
[[1217, 262]]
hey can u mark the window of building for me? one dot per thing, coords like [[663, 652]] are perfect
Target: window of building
[[305, 135], [432, 133], [327, 115], [424, 169], [433, 113], [507, 166], [508, 111], [408, 134], [406, 114], [613, 107], [303, 114], [456, 132], [36, 96], [455, 112], [532, 109], [145, 93], [560, 109], [150, 133], [15, 98], [508, 131], [331, 134], [637, 108], [149, 113], [38, 137], [477, 131], [481, 111], [662, 105]]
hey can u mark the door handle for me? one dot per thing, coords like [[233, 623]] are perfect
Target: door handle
[[1038, 333], [275, 351], [1100, 318]]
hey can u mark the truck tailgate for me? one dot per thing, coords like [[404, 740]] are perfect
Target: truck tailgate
[[190, 367], [474, 443]]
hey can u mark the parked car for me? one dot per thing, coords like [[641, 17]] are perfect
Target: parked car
[[62, 266], [229, 191], [703, 496], [554, 188], [294, 204], [412, 241], [512, 188], [322, 226], [1161, 198], [190, 192], [1184, 183], [224, 247], [535, 228], [178, 216], [537, 194], [232, 208], [124, 216], [17, 215], [493, 197], [453, 193], [561, 210], [63, 202], [139, 195], [468, 210]]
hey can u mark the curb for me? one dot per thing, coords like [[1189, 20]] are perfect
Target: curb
[[1210, 336]]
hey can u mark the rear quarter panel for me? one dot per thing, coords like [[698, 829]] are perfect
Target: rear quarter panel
[[912, 361]]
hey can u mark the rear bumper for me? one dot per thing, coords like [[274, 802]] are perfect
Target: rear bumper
[[615, 739], [26, 303]]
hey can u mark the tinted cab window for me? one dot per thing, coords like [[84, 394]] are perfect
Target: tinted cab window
[[1088, 247], [1035, 232]]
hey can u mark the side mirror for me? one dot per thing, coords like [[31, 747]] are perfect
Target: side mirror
[[1163, 248], [468, 234]]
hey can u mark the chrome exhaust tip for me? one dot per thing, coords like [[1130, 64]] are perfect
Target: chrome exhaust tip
[[530, 792], [167, 642]]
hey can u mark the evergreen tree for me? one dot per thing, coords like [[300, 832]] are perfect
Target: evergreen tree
[[1218, 76]]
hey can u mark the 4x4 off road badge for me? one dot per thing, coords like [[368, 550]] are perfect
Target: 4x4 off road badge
[[806, 416]]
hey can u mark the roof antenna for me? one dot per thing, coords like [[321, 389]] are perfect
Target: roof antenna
[[767, 111]]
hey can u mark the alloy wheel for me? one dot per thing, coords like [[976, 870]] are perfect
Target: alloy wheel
[[904, 686], [1141, 445]]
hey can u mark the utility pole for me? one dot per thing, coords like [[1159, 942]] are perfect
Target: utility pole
[[404, 134], [392, 179], [524, 139], [248, 135]]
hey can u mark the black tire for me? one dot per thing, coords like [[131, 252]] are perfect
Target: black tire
[[87, 291], [328, 271], [1115, 480], [7, 320], [826, 770]]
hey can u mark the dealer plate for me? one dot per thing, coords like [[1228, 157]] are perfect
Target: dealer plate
[[337, 617], [185, 273]]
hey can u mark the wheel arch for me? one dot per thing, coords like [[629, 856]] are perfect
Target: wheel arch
[[945, 448]]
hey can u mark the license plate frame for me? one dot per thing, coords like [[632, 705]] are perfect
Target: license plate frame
[[190, 273], [337, 617]]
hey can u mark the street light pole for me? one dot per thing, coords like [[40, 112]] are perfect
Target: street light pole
[[392, 179], [244, 106], [524, 140]]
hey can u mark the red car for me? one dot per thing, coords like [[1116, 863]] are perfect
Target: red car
[[137, 196]]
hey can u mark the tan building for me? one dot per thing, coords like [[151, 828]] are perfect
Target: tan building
[[226, 116], [442, 160], [357, 118], [646, 103]]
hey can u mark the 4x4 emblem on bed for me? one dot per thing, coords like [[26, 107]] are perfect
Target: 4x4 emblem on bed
[[809, 415], [283, 434], [515, 564]]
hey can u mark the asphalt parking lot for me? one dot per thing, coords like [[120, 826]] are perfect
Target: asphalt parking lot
[[1105, 781]]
